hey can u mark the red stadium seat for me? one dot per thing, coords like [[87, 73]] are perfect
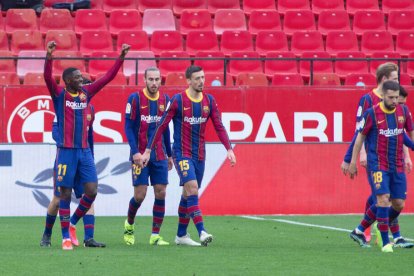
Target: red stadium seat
[[166, 41], [195, 20], [36, 65], [405, 79], [285, 5], [368, 21], [90, 20], [390, 56], [26, 40], [217, 79], [410, 65], [215, 5], [175, 79], [201, 41], [9, 78], [229, 20], [65, 39], [158, 20], [138, 40], [294, 79], [92, 41], [119, 79], [250, 6], [400, 21], [360, 79], [34, 79], [213, 65], [136, 79], [341, 41], [131, 66], [179, 6], [389, 5], [4, 41], [361, 5], [7, 65], [326, 79], [346, 67], [318, 65], [168, 66], [269, 41], [306, 41], [375, 41], [59, 65], [299, 21], [236, 41], [124, 20], [264, 20], [322, 5], [283, 66], [55, 19], [245, 66], [153, 4], [251, 79], [97, 66], [333, 21], [20, 19], [111, 5], [405, 42]]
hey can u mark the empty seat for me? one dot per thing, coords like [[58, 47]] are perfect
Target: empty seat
[[97, 66], [322, 5], [251, 79], [35, 65], [166, 41], [72, 59], [158, 20], [138, 40], [212, 62], [285, 5], [92, 41], [375, 41], [20, 19], [124, 20], [350, 66], [229, 20], [268, 41], [26, 40], [264, 20], [195, 20], [4, 41], [90, 20], [119, 79], [136, 79], [144, 60], [233, 41], [250, 63], [217, 79], [55, 19], [175, 79], [386, 56], [410, 65], [214, 5], [333, 21], [180, 5], [299, 21], [360, 79], [405, 79], [341, 41], [361, 5], [400, 21], [249, 6], [201, 41], [325, 79], [9, 78], [306, 41], [111, 5], [368, 21], [284, 64], [171, 65], [65, 39], [153, 4], [7, 65], [389, 5], [405, 42], [287, 79], [318, 66], [34, 79]]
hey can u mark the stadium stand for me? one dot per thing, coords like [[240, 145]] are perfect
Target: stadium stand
[[65, 39], [9, 78], [341, 41], [210, 65], [390, 5], [264, 20], [333, 21], [110, 5], [90, 20], [55, 19], [229, 20], [215, 5], [286, 5], [7, 65], [306, 41], [153, 4], [166, 41], [251, 6], [158, 20], [175, 79], [357, 5], [20, 19], [26, 40], [251, 79], [179, 6], [236, 41], [405, 42], [302, 20], [375, 41], [119, 79], [132, 67], [201, 41], [322, 5], [245, 62], [349, 66], [34, 79], [124, 20], [368, 21], [273, 66], [59, 65], [400, 21], [93, 41], [195, 20], [170, 65], [28, 65], [269, 41], [138, 40], [287, 79]]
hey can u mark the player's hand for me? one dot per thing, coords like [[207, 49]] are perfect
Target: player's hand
[[136, 157], [363, 158], [124, 50], [144, 159], [408, 164], [51, 47], [231, 157], [344, 167], [170, 163], [352, 170]]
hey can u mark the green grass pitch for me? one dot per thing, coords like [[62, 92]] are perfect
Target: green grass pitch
[[241, 247]]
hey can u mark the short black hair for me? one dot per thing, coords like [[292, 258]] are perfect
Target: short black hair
[[68, 73], [191, 70], [390, 85], [403, 92]]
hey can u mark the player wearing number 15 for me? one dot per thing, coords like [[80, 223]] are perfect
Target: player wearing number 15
[[190, 111]]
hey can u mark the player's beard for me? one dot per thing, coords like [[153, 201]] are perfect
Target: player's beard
[[389, 107]]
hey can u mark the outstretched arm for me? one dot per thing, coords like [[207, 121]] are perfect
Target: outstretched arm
[[47, 73]]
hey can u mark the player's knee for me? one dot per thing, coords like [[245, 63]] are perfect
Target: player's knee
[[160, 193], [383, 200], [91, 189], [65, 193], [398, 204]]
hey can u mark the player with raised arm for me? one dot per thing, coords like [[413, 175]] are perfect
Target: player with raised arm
[[74, 157], [190, 111]]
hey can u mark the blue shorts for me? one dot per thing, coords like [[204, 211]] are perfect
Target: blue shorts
[[189, 169], [77, 189], [371, 185], [392, 183], [74, 168], [156, 171]]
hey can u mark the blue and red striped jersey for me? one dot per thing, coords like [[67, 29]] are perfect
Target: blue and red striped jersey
[[141, 116], [190, 118], [71, 110], [384, 132]]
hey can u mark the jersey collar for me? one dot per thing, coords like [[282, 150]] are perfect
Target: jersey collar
[[382, 106], [145, 91], [191, 98]]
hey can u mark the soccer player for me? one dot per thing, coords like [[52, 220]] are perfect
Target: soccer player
[[382, 127], [190, 111], [74, 156], [143, 110]]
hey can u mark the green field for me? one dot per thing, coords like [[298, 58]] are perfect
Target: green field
[[241, 247]]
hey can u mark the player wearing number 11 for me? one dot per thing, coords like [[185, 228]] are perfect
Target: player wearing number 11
[[190, 111]]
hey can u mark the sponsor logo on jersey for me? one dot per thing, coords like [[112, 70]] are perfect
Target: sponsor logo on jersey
[[195, 120], [150, 119], [391, 132], [76, 105]]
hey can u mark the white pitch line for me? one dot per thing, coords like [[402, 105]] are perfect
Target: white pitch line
[[305, 224]]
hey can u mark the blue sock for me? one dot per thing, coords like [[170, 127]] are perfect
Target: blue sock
[[132, 210], [183, 218], [158, 212], [369, 218], [382, 218], [393, 223], [195, 213], [50, 221], [89, 225], [64, 214]]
